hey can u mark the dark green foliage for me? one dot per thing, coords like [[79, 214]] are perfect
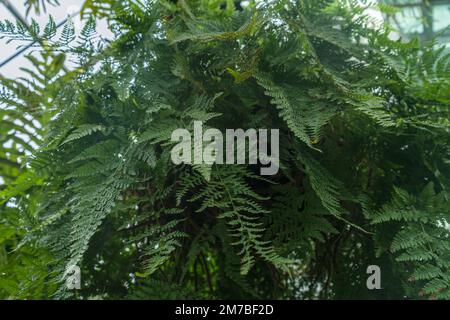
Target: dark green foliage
[[364, 172]]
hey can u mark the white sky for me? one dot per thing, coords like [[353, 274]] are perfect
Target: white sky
[[59, 13]]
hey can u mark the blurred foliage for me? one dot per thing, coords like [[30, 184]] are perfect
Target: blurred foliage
[[39, 6]]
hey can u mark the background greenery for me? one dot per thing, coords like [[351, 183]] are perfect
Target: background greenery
[[365, 156]]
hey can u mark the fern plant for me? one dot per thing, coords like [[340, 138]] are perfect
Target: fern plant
[[421, 242], [364, 157]]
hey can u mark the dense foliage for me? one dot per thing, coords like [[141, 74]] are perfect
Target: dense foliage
[[365, 156]]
